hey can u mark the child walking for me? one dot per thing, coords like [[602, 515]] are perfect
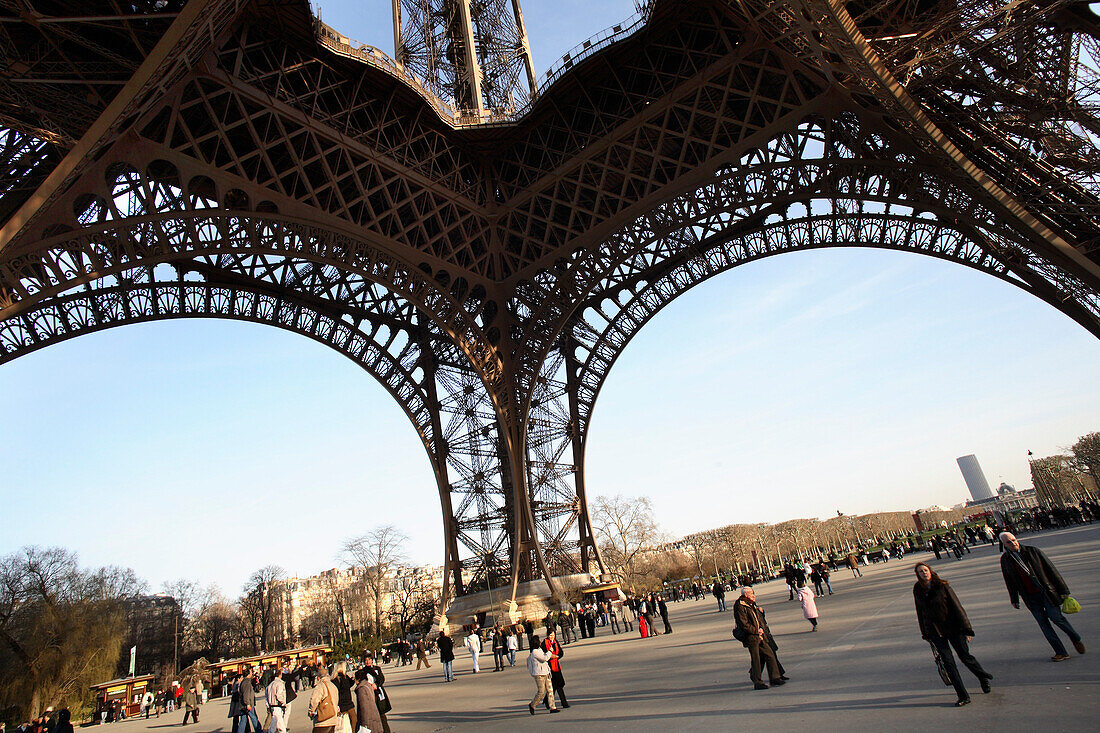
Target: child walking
[[809, 606]]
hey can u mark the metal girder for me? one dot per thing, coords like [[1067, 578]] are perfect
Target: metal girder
[[489, 275]]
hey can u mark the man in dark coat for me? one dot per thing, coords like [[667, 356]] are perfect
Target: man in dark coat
[[446, 655], [662, 608], [246, 705], [719, 592], [1030, 575], [757, 638], [789, 576]]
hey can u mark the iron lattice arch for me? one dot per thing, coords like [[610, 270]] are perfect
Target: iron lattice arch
[[489, 270]]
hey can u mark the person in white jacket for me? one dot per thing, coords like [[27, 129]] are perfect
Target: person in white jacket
[[276, 704], [511, 645], [473, 643], [538, 664]]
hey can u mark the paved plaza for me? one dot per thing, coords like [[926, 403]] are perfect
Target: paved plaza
[[865, 669]]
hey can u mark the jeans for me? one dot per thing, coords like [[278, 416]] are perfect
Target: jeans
[[448, 671], [827, 585], [721, 603], [511, 657], [1045, 612], [248, 719], [958, 642]]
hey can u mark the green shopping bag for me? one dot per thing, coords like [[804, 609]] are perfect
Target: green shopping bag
[[1070, 605]]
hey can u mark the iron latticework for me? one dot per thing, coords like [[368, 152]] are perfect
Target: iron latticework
[[239, 159], [472, 53]]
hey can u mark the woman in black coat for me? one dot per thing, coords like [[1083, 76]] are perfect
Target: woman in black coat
[[944, 624]]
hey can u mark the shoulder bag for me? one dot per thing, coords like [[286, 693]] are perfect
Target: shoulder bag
[[326, 709]]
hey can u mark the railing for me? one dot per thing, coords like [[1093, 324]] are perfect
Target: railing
[[589, 46], [338, 43]]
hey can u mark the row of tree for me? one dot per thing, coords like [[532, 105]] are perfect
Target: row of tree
[[1070, 477], [641, 556], [370, 598]]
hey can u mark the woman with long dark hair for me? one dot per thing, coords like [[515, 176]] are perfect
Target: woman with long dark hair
[[943, 622]]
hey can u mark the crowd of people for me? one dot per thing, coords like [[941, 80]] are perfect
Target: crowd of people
[[1029, 576], [351, 696]]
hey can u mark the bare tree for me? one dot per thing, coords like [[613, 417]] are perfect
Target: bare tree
[[696, 547], [335, 605], [214, 624], [413, 601], [798, 536], [61, 627], [260, 608], [626, 528], [376, 553]]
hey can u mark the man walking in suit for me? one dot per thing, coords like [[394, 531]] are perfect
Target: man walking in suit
[[1030, 575]]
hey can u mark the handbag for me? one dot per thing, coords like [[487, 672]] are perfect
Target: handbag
[[939, 665], [1070, 605], [326, 709]]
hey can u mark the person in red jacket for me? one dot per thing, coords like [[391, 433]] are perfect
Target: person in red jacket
[[557, 680]]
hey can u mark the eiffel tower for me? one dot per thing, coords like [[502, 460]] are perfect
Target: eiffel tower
[[486, 243]]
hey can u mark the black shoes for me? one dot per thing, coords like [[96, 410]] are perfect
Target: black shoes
[[778, 682], [962, 701], [531, 708], [555, 710], [759, 686], [984, 681], [785, 678]]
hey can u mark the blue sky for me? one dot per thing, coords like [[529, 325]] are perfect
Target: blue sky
[[793, 386]]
